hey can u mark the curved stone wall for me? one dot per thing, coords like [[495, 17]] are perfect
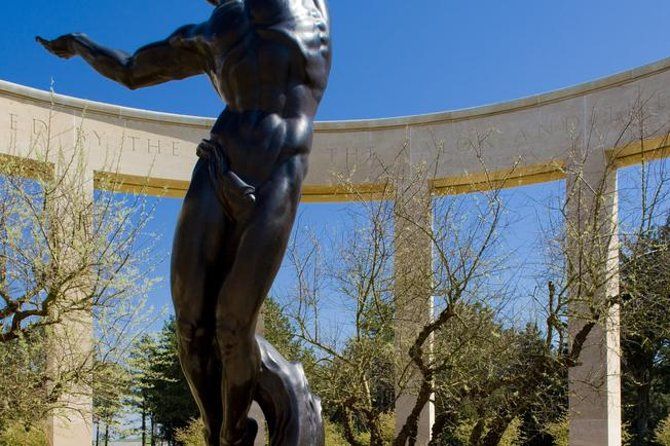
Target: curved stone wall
[[522, 141], [597, 127]]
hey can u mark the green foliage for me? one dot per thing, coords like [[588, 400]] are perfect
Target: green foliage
[[386, 426], [145, 365], [169, 396], [192, 434], [22, 374], [645, 334], [497, 381], [662, 434], [108, 397], [19, 435], [67, 264], [512, 435], [559, 431], [334, 436], [278, 331]]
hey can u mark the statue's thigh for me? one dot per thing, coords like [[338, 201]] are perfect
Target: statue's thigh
[[262, 245], [200, 253]]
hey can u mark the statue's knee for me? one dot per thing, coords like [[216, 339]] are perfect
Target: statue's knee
[[193, 335], [231, 336]]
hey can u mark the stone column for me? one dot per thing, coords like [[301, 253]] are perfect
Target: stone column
[[413, 293], [71, 342], [72, 425], [592, 242]]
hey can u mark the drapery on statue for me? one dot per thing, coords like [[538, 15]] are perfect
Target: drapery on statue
[[269, 60]]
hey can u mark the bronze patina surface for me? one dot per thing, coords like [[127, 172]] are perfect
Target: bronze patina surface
[[269, 60]]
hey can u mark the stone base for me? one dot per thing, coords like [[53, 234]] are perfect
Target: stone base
[[257, 414], [403, 408], [71, 429], [585, 432]]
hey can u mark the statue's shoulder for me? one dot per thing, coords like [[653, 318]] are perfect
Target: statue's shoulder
[[303, 23], [306, 27], [229, 18]]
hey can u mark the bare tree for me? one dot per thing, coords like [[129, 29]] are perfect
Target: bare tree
[[471, 349], [73, 279]]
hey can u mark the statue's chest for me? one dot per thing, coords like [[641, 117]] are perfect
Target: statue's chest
[[256, 61]]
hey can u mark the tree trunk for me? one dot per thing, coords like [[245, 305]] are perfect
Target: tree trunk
[[376, 437], [144, 426], [97, 434], [153, 438], [442, 420], [106, 434], [477, 432], [640, 422], [640, 364], [496, 432], [407, 435], [349, 435]]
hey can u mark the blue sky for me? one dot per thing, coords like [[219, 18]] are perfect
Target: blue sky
[[392, 57]]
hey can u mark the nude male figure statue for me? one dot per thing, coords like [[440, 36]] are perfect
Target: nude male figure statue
[[269, 60]]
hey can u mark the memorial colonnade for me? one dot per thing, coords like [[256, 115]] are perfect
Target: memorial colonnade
[[573, 134]]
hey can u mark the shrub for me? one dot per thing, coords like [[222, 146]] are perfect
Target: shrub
[[662, 434], [559, 431], [333, 435], [19, 434], [511, 437], [192, 434]]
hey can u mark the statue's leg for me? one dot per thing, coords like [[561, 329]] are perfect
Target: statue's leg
[[198, 268], [263, 240]]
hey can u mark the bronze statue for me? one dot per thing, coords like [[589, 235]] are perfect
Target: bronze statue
[[269, 60]]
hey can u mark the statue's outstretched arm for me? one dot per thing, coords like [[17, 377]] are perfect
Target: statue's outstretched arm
[[179, 56]]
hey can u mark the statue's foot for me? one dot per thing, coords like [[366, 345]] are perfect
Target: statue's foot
[[248, 437]]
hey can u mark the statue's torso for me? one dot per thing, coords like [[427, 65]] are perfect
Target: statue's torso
[[272, 78]]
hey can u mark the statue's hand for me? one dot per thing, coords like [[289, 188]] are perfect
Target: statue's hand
[[62, 47]]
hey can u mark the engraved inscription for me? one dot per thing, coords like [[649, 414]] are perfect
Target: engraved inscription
[[39, 126], [133, 142], [98, 137], [153, 146], [21, 130], [13, 131]]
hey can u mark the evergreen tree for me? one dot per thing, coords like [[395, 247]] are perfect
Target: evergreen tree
[[645, 334], [144, 372], [168, 394]]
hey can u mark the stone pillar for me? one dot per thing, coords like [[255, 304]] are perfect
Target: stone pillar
[[592, 242], [71, 342], [413, 293], [73, 424]]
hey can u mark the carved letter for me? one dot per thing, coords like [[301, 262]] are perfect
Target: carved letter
[[98, 136], [463, 143], [175, 147], [545, 130], [156, 146], [13, 123], [133, 139], [39, 123], [13, 129]]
